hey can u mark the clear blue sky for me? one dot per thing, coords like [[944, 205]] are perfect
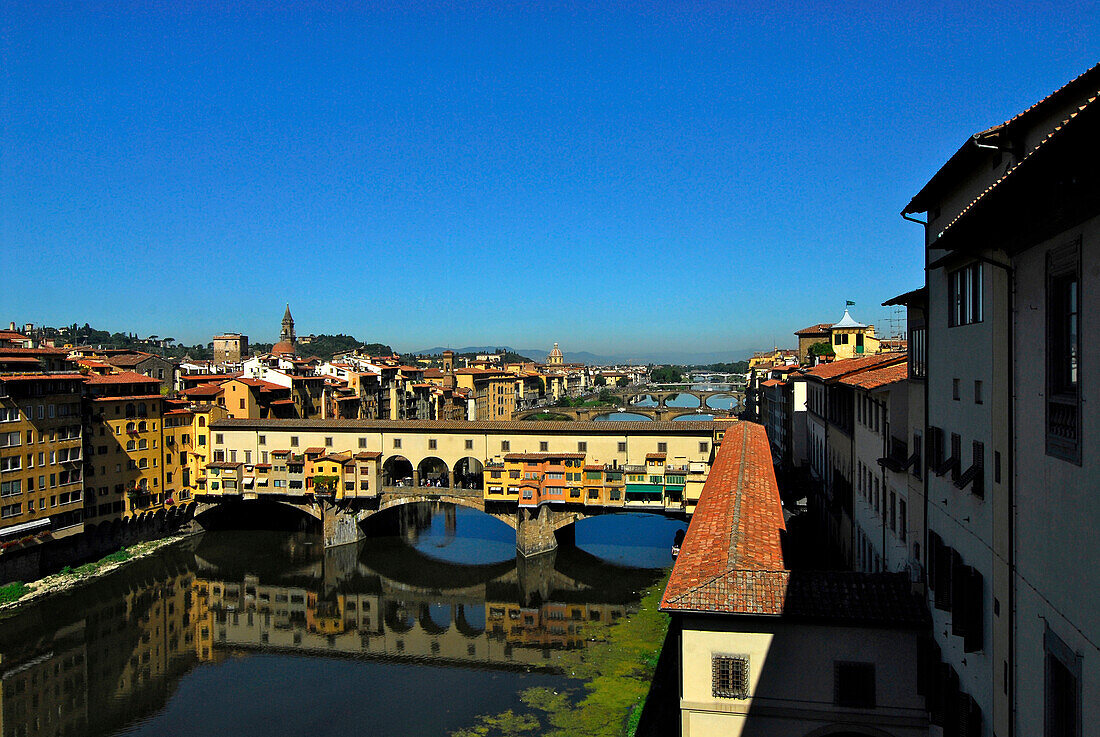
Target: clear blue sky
[[707, 177]]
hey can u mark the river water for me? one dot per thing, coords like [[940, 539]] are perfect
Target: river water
[[417, 630]]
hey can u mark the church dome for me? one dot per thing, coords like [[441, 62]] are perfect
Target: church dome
[[555, 355], [283, 347]]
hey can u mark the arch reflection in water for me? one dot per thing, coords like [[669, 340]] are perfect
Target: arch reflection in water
[[144, 630]]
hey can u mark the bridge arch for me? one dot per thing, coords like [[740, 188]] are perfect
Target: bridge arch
[[468, 473], [434, 471], [435, 619], [470, 502], [203, 509], [397, 468]]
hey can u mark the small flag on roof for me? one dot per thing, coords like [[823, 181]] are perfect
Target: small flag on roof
[[849, 303]]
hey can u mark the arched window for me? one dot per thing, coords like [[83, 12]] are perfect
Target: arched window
[[130, 427], [129, 410], [143, 463], [202, 422], [141, 426], [141, 410], [129, 445], [143, 444]]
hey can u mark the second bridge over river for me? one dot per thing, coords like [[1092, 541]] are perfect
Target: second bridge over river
[[627, 400]]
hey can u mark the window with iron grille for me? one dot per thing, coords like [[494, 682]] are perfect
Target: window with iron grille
[[730, 676]]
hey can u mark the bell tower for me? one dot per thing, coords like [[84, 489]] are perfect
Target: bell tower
[[287, 334]]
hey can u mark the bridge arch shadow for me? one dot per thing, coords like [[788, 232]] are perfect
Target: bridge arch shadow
[[259, 514]]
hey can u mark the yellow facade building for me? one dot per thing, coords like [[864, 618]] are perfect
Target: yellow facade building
[[41, 473]]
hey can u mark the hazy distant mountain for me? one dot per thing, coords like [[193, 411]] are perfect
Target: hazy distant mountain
[[595, 359]]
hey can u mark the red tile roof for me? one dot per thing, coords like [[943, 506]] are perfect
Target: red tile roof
[[875, 378], [123, 377], [39, 376], [655, 456], [314, 450], [822, 328], [368, 455], [731, 561], [834, 369], [203, 390], [540, 456]]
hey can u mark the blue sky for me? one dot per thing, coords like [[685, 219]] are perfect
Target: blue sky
[[638, 177]]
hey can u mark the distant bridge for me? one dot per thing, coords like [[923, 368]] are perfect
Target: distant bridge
[[627, 398]]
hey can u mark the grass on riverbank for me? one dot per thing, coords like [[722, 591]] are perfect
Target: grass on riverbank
[[617, 672], [13, 591]]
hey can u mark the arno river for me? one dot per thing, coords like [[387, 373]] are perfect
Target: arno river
[[418, 630], [720, 403]]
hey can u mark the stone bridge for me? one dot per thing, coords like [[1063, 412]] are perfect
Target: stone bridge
[[538, 529], [627, 397]]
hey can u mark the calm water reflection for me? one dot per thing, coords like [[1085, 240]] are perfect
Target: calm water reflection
[[258, 633]]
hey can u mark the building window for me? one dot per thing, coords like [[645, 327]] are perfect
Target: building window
[[328, 442], [505, 445], [582, 447], [469, 445], [1062, 692], [219, 438], [662, 447], [730, 676], [362, 442], [263, 440], [965, 295], [622, 447], [704, 447], [854, 684], [431, 444], [955, 389], [918, 352], [1063, 411], [397, 442], [544, 446]]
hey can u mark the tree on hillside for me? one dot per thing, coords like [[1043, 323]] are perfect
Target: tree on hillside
[[666, 375], [600, 381]]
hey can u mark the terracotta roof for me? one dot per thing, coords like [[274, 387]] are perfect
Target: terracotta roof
[[43, 351], [123, 377], [512, 427], [126, 397], [969, 148], [540, 456], [594, 468], [203, 390], [875, 378], [368, 455], [991, 189], [655, 456], [314, 450], [731, 560], [258, 384], [223, 464], [20, 359], [282, 401], [39, 376], [834, 369], [128, 359], [773, 382], [822, 328], [280, 452]]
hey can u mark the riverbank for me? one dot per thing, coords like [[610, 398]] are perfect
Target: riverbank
[[617, 674], [18, 593]]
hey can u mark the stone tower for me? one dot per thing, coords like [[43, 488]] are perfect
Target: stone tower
[[287, 335]]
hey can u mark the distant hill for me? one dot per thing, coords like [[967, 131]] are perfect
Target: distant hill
[[595, 359]]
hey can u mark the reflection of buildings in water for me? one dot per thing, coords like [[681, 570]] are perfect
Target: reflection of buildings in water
[[553, 625], [122, 657], [43, 688], [459, 627]]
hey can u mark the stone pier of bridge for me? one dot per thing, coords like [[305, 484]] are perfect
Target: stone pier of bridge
[[538, 529]]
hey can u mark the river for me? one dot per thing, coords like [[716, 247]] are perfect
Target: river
[[418, 630]]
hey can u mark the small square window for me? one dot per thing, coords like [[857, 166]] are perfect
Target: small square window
[[854, 684], [582, 447], [397, 442], [544, 446], [362, 442], [730, 676], [469, 445], [977, 392], [704, 447], [263, 440], [328, 442], [622, 447], [431, 444], [219, 438], [662, 447], [293, 441], [505, 445]]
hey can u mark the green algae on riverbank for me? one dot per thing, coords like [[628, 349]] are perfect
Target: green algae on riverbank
[[617, 672]]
